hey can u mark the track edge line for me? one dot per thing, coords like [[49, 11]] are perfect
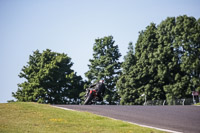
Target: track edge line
[[161, 129]]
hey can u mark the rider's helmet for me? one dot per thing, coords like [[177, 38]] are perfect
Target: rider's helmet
[[101, 81]]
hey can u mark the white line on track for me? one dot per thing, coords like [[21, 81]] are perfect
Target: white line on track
[[161, 129]]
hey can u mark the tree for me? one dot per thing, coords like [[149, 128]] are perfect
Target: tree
[[185, 45], [167, 62], [147, 65], [49, 79], [142, 75], [105, 65], [126, 92], [129, 59]]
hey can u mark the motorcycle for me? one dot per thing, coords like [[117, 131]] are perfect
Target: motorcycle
[[91, 97]]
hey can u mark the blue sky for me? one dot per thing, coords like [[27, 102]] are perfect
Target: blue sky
[[71, 26]]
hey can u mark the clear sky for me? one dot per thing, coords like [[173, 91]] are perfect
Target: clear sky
[[71, 26]]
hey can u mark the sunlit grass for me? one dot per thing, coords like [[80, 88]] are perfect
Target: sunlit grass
[[32, 117], [197, 104]]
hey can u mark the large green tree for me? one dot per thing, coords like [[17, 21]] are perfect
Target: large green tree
[[167, 62], [49, 79], [182, 35], [105, 65], [128, 93]]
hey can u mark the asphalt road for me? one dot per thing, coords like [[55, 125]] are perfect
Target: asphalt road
[[177, 118]]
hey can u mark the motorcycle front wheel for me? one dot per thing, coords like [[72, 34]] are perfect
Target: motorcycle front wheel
[[88, 99]]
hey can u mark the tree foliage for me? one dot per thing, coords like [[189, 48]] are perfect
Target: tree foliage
[[49, 79], [128, 93], [105, 65], [166, 62]]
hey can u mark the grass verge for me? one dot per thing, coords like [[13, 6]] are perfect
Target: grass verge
[[197, 104], [33, 117]]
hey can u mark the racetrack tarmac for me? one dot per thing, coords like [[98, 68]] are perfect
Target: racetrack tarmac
[[177, 118]]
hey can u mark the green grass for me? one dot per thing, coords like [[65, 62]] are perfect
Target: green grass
[[33, 117], [197, 104]]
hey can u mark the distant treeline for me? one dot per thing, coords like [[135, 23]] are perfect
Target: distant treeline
[[163, 64]]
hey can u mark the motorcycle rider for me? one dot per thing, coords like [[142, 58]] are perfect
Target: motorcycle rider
[[100, 88]]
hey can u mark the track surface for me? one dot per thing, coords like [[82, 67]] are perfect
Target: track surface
[[177, 118]]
